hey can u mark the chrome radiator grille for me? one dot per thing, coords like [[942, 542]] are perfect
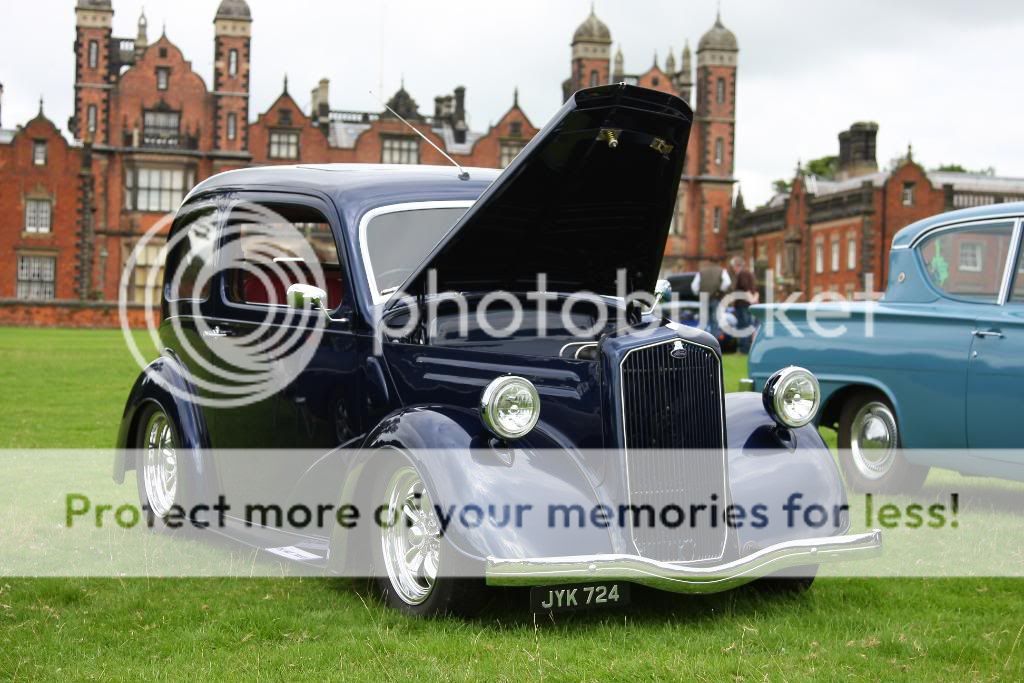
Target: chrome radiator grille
[[674, 436]]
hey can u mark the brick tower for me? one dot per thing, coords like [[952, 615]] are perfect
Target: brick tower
[[713, 142], [591, 56], [93, 70], [232, 34]]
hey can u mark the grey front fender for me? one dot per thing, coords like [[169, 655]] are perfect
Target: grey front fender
[[768, 465], [462, 465]]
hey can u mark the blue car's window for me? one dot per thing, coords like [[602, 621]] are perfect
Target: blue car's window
[[396, 242], [968, 262], [273, 246], [192, 255]]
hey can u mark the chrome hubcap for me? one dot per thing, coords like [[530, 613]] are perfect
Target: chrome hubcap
[[873, 440], [160, 465], [410, 537]]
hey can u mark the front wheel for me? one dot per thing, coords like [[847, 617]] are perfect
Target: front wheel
[[869, 443], [411, 553]]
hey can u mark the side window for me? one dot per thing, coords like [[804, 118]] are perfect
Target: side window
[[190, 265], [1017, 294], [270, 247], [968, 262]]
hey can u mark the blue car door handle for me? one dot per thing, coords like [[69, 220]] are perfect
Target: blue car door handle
[[987, 333]]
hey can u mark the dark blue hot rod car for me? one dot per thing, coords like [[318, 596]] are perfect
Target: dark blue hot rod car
[[425, 414]]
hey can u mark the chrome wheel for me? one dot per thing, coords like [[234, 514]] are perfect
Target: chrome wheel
[[873, 440], [160, 464], [410, 537]]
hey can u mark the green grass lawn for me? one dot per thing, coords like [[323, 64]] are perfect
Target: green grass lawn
[[63, 388]]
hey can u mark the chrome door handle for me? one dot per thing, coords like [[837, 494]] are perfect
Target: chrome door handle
[[988, 333], [215, 333]]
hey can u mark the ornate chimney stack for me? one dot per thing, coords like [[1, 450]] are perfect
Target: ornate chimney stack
[[857, 150]]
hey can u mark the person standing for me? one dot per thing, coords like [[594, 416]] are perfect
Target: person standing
[[710, 283], [745, 283]]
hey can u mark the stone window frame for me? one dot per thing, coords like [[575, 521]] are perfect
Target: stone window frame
[[851, 251], [283, 143], [232, 126], [49, 294], [38, 198], [93, 56], [163, 77], [399, 149], [719, 151], [232, 62], [40, 152], [157, 130], [907, 193], [716, 220], [977, 249], [168, 196], [506, 153]]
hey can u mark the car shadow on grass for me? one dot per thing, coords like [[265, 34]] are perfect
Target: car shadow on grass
[[509, 607]]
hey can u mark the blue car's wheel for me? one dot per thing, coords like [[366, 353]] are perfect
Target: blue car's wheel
[[411, 555], [158, 463], [869, 443], [165, 474]]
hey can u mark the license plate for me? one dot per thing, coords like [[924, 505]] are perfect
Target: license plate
[[578, 596]]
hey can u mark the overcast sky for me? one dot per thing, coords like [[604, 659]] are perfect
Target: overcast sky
[[941, 74]]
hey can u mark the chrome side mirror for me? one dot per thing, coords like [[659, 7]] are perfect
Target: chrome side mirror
[[662, 291], [306, 296]]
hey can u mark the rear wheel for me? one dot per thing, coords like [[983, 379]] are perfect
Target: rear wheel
[[411, 555], [163, 472], [869, 442]]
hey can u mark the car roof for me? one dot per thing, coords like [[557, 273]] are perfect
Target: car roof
[[356, 187], [907, 236]]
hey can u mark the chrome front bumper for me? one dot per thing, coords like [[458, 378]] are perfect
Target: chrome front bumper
[[680, 578]]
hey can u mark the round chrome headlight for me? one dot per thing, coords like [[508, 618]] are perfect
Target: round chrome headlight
[[792, 396], [510, 407]]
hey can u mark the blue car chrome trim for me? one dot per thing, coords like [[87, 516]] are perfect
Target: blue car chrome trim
[[680, 578], [724, 444]]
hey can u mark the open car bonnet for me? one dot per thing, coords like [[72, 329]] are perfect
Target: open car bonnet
[[590, 196]]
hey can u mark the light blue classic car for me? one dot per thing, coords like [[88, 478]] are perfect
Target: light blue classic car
[[937, 363]]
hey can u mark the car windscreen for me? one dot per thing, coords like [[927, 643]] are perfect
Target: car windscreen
[[395, 240]]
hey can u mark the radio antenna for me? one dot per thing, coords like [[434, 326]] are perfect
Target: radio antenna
[[463, 174]]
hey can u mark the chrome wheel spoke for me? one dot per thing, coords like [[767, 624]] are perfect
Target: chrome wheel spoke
[[430, 566], [410, 547], [410, 514], [160, 464]]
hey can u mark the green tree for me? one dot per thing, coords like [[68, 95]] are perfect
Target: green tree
[[823, 167], [781, 186], [957, 168]]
